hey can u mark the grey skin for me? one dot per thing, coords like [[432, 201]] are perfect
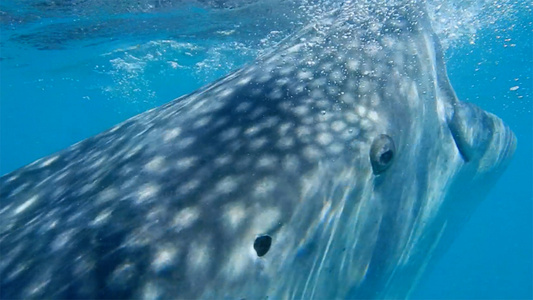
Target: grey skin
[[345, 147]]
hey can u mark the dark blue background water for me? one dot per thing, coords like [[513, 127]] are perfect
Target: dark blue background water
[[65, 79]]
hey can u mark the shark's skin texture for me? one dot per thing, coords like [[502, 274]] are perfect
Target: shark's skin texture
[[346, 145]]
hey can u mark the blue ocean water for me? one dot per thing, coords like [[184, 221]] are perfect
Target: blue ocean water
[[71, 69]]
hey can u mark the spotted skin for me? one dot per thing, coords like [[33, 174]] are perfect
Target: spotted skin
[[168, 204]]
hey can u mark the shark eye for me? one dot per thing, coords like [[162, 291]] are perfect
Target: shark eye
[[382, 153], [262, 244]]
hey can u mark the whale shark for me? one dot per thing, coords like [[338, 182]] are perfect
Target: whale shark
[[340, 164]]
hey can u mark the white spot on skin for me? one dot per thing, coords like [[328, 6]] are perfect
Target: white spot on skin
[[49, 161], [98, 163], [338, 126], [19, 189], [6, 208], [202, 122], [365, 125], [351, 117], [264, 187], [243, 107], [266, 161], [305, 75], [285, 71], [266, 219], [324, 139], [198, 257], [86, 188], [226, 93], [349, 134], [241, 258], [155, 214], [244, 81], [285, 142], [303, 131], [301, 110], [372, 115], [223, 160], [26, 204], [285, 105], [17, 271], [115, 128], [234, 214], [256, 92], [171, 134], [251, 131], [189, 186], [185, 218], [83, 265], [10, 179], [61, 176], [269, 122], [291, 163], [297, 89], [272, 60], [347, 98], [164, 258], [336, 75], [275, 94], [365, 87], [227, 185], [374, 100], [327, 67], [122, 275], [38, 285], [101, 218], [372, 48], [284, 128], [361, 111], [155, 164], [51, 225], [264, 77], [185, 142], [147, 192], [229, 134], [311, 153], [324, 104], [352, 64], [294, 48], [335, 148], [133, 151], [317, 84], [62, 240], [186, 162], [257, 143], [107, 195], [282, 81], [151, 291]]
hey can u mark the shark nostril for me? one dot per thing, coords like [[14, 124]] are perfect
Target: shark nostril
[[262, 244]]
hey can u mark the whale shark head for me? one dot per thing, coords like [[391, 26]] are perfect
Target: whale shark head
[[400, 162], [338, 165]]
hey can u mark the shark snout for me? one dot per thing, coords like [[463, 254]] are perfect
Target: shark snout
[[481, 137]]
